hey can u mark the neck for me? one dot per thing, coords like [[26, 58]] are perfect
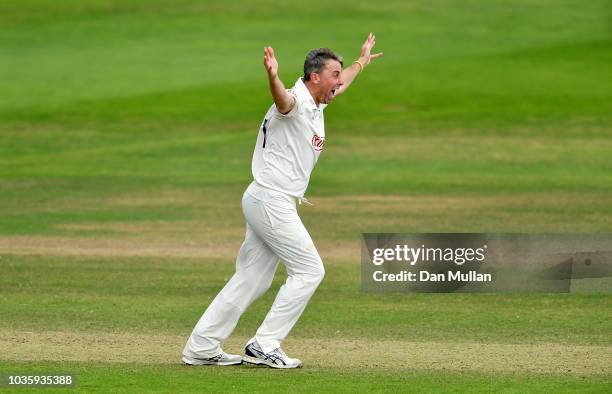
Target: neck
[[311, 88]]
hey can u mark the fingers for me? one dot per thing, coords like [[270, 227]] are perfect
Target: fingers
[[367, 47], [370, 41], [270, 61], [268, 53], [268, 57]]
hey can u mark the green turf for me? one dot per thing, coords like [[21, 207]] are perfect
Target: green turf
[[169, 295], [129, 377], [447, 63], [486, 116]]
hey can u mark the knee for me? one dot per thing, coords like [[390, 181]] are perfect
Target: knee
[[317, 274], [306, 283], [321, 273]]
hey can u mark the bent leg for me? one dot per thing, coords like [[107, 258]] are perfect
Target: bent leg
[[287, 237], [255, 267]]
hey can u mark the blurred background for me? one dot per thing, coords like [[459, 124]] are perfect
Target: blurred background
[[488, 99], [127, 130]]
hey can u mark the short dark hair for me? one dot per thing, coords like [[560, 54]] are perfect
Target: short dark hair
[[316, 59]]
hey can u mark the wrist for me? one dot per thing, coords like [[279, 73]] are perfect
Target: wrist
[[360, 65]]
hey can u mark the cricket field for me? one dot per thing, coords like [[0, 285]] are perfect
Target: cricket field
[[126, 135]]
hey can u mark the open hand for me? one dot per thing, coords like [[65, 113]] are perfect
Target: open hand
[[270, 62], [366, 49]]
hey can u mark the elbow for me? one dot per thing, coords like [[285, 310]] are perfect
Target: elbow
[[284, 109], [285, 106]]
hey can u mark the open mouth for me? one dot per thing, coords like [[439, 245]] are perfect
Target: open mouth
[[330, 95]]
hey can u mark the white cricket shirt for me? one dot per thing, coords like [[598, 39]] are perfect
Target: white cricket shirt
[[288, 146]]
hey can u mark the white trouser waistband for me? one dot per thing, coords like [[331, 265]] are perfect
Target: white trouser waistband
[[260, 192]]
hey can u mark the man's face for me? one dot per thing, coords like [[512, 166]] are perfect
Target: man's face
[[330, 81]]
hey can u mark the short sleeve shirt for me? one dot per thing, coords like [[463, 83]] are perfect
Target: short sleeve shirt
[[288, 146]]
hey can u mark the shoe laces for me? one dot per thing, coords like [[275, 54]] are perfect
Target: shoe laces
[[281, 352], [218, 356]]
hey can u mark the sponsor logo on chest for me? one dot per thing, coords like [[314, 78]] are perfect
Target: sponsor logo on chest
[[318, 143]]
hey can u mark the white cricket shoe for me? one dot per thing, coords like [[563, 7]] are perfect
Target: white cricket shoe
[[277, 358], [220, 359]]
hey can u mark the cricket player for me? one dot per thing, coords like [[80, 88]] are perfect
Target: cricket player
[[290, 140]]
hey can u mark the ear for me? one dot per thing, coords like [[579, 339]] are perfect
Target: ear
[[315, 77]]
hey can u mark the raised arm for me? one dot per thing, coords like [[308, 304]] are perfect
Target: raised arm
[[284, 100], [350, 72]]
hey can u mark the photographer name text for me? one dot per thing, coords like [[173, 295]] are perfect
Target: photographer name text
[[426, 276]]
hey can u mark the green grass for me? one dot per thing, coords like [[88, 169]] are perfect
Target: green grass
[[447, 63], [128, 377], [168, 296], [480, 117]]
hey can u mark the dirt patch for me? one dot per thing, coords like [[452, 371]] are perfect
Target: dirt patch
[[334, 222], [322, 353], [152, 230], [111, 247]]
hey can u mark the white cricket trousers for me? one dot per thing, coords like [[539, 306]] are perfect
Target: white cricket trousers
[[274, 231]]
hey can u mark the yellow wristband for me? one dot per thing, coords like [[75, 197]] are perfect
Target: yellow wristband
[[360, 65]]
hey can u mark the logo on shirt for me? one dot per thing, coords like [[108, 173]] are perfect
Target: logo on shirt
[[318, 142]]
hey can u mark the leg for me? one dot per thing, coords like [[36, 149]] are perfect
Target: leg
[[287, 237], [255, 268]]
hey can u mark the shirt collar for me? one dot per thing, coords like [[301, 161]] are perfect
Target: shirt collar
[[305, 93]]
